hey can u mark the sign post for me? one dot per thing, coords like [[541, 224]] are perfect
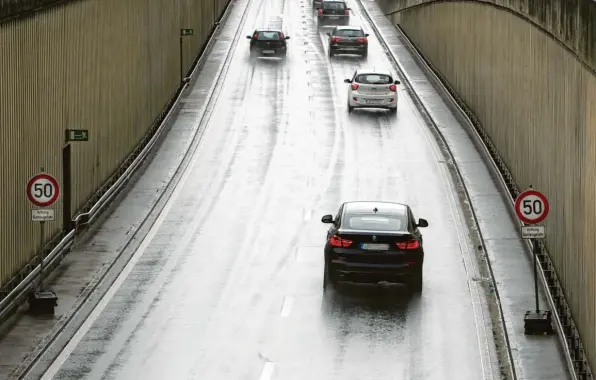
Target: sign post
[[183, 33], [43, 191], [70, 135], [532, 207]]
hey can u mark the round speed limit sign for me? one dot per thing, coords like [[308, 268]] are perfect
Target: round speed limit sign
[[43, 190], [531, 207]]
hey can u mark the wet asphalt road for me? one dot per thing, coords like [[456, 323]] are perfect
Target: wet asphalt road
[[228, 284]]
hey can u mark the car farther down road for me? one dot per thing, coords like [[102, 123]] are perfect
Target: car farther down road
[[268, 42], [372, 242], [348, 40], [333, 12], [370, 88]]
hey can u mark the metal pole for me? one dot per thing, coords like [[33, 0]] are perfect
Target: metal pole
[[181, 64], [67, 184], [536, 253], [41, 241]]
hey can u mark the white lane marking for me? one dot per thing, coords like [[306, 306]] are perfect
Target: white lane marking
[[286, 309], [267, 371]]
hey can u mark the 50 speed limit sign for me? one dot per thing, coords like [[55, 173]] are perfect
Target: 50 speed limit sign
[[43, 190], [531, 207]]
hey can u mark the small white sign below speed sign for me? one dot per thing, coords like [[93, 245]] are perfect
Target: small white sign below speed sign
[[43, 190], [531, 207]]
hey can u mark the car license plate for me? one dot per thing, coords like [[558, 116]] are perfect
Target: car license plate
[[375, 247], [334, 17], [268, 51], [375, 101]]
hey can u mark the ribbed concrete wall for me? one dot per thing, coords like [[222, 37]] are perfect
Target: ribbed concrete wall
[[109, 66], [537, 101]]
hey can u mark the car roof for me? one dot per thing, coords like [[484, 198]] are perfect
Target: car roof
[[333, 1], [349, 27], [360, 207], [268, 30], [373, 70]]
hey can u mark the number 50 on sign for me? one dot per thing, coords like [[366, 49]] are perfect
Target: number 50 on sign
[[531, 207], [43, 190]]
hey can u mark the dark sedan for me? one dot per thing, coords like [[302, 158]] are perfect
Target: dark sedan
[[373, 242], [269, 43], [348, 40], [334, 12]]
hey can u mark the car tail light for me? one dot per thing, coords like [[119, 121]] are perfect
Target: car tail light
[[335, 40], [336, 241], [393, 88], [346, 12], [320, 11], [410, 244], [362, 40], [281, 35], [354, 86], [255, 35]]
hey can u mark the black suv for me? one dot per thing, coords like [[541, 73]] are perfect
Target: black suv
[[348, 40], [268, 42], [372, 242], [333, 12]]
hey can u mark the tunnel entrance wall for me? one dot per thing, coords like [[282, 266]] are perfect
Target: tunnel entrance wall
[[537, 101], [109, 66]]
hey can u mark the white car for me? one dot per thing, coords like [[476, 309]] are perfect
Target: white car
[[372, 89]]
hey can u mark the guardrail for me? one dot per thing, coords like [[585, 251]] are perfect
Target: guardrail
[[567, 332], [109, 191]]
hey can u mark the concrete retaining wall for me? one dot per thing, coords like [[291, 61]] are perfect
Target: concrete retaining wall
[[109, 66], [537, 101]]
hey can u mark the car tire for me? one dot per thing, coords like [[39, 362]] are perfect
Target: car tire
[[365, 53], [350, 108], [416, 283], [329, 278], [331, 52], [393, 110]]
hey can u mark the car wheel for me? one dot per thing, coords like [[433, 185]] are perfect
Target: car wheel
[[329, 277], [393, 110], [365, 53], [416, 283], [331, 52], [350, 108]]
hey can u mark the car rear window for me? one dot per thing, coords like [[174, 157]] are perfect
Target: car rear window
[[349, 33], [376, 222], [273, 36], [374, 79], [335, 5]]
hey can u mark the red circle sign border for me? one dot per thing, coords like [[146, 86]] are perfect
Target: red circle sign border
[[519, 200], [49, 178]]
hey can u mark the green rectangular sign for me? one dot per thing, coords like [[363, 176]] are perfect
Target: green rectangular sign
[[187, 32], [77, 135]]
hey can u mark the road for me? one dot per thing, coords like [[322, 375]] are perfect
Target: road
[[228, 282]]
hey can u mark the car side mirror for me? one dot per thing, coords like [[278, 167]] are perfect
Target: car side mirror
[[349, 9], [327, 218], [347, 81], [397, 82], [287, 37], [329, 34], [366, 34], [249, 37], [422, 223]]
